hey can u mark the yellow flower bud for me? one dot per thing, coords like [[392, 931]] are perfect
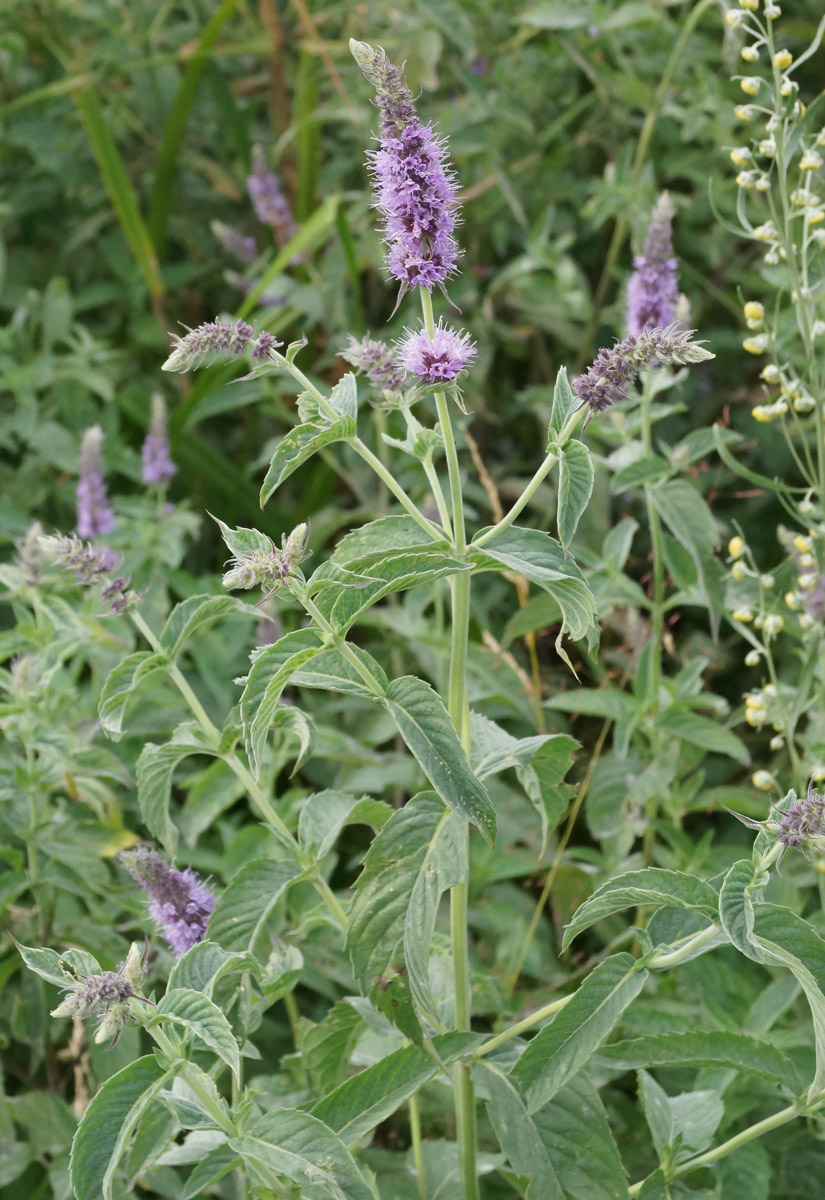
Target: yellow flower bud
[[734, 18], [750, 53], [762, 780], [744, 112], [750, 84], [752, 658], [753, 5], [739, 571], [736, 547], [754, 311], [803, 544], [756, 717], [773, 624], [782, 59], [756, 345], [770, 373], [807, 560], [793, 601], [740, 156], [742, 614], [763, 413], [810, 161], [806, 621], [767, 581]]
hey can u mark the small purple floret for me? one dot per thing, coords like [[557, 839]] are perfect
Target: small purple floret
[[415, 189], [244, 248], [157, 463], [378, 362], [438, 359], [94, 513], [608, 378], [179, 902], [653, 289], [270, 204]]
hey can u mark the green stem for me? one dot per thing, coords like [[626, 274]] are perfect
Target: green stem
[[417, 1148], [257, 795], [540, 1014], [464, 1093], [664, 959], [534, 484], [741, 1139]]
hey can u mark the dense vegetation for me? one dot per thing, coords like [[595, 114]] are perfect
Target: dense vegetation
[[460, 835]]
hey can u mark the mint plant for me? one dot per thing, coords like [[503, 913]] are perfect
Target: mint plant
[[403, 1029]]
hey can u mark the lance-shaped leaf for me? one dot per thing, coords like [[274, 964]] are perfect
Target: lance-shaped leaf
[[63, 970], [121, 683], [306, 1151], [565, 403], [575, 488], [425, 726], [326, 813], [331, 672], [155, 768], [244, 907], [198, 1015], [517, 1134], [574, 1128], [205, 964], [299, 445], [108, 1123], [562, 1048], [198, 613], [210, 1170], [270, 673], [651, 887], [387, 535], [708, 1048]]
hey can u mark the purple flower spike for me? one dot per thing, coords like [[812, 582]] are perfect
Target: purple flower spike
[[180, 903], [415, 189], [270, 204], [157, 464], [378, 362], [653, 290], [245, 249], [229, 338], [608, 378], [438, 359], [94, 513]]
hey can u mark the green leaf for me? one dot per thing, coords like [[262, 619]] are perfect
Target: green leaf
[[311, 233], [541, 559], [687, 515], [198, 613], [205, 964], [344, 396], [576, 479], [640, 472], [574, 1128], [325, 814], [198, 1015], [326, 1048], [298, 446], [702, 731], [565, 403], [155, 768], [108, 1123], [306, 1151], [425, 726], [387, 535], [269, 675], [63, 970], [538, 613], [607, 702], [562, 1048], [653, 887], [517, 1134], [241, 541], [368, 1098], [210, 1170], [708, 1048], [242, 910], [331, 672], [119, 187], [689, 1120], [121, 683]]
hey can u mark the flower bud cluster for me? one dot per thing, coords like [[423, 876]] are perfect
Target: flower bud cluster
[[92, 567], [269, 569], [230, 339], [614, 370], [106, 996]]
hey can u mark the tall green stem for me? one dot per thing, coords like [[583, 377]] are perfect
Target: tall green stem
[[658, 607], [465, 1113]]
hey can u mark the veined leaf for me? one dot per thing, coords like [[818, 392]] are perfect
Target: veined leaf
[[562, 1048], [653, 887], [368, 1098], [155, 768], [120, 685], [325, 814], [63, 970], [243, 908], [218, 1162], [241, 541], [205, 964], [269, 674], [576, 479], [109, 1122], [708, 1048], [387, 535], [331, 672], [326, 1048], [300, 444], [425, 726], [703, 731], [197, 1014], [565, 403], [196, 613], [643, 470], [575, 1131], [306, 1151], [517, 1134]]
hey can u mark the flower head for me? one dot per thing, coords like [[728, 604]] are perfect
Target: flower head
[[269, 569], [653, 290], [607, 379], [157, 464], [94, 513], [270, 204], [106, 996], [802, 825], [378, 362], [415, 190], [179, 902], [207, 341], [436, 359]]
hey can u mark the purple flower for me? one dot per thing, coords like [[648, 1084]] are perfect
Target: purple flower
[[243, 248], [438, 359], [231, 338], [607, 379], [106, 995], [94, 513], [415, 189], [378, 362], [653, 289], [180, 903], [802, 826], [157, 465], [269, 201]]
